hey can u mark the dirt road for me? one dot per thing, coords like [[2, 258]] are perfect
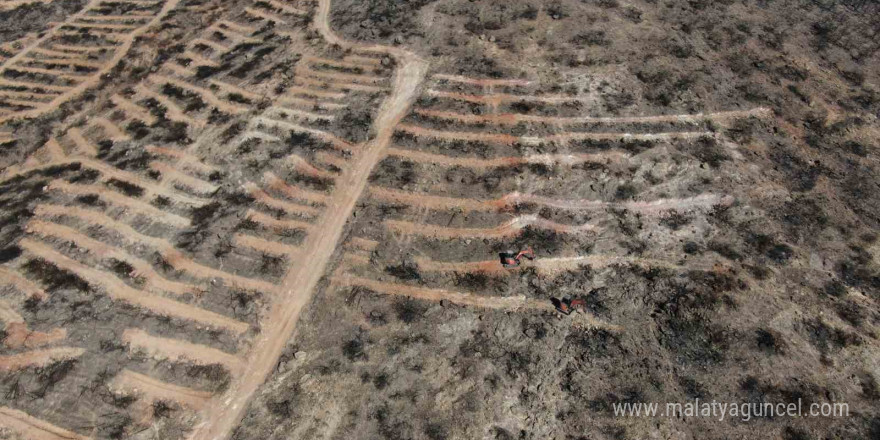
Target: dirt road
[[223, 415]]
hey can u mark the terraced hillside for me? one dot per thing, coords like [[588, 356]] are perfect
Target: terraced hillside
[[131, 216], [281, 219]]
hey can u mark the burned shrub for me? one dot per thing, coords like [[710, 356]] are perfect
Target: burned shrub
[[594, 343], [626, 191], [691, 248], [9, 253], [769, 341], [779, 253], [725, 250], [674, 220], [828, 339], [851, 312], [404, 271], [52, 277], [52, 374], [692, 388], [709, 151], [128, 189], [834, 288], [203, 215], [409, 311], [162, 409], [591, 38], [354, 350], [472, 281]]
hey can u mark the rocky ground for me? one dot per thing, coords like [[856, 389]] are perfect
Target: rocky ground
[[282, 219]]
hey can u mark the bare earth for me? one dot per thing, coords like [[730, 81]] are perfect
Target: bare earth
[[281, 219]]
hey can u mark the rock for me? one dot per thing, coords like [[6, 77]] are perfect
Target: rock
[[299, 355]]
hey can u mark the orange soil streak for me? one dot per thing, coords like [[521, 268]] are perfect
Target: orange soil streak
[[264, 15], [363, 244], [172, 256], [196, 185], [39, 358], [327, 158], [263, 246], [367, 61], [231, 35], [543, 265], [198, 60], [99, 26], [309, 103], [285, 206], [511, 228], [482, 81], [229, 88], [275, 224], [178, 351], [21, 103], [18, 335], [111, 130], [134, 110], [507, 139], [32, 428], [513, 199], [510, 303], [155, 282], [54, 150], [316, 79], [205, 94], [82, 49], [306, 69], [248, 135], [302, 166], [64, 62], [331, 139], [30, 96], [286, 8], [33, 85], [22, 284], [184, 159], [315, 61], [302, 114], [83, 146], [237, 27], [515, 118], [136, 2], [70, 76], [497, 98], [118, 290], [115, 198], [114, 17], [153, 390], [58, 53], [316, 93], [294, 192], [354, 260]]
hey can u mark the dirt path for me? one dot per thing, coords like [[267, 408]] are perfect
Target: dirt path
[[223, 414], [33, 428]]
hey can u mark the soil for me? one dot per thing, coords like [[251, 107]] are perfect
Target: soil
[[282, 219]]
